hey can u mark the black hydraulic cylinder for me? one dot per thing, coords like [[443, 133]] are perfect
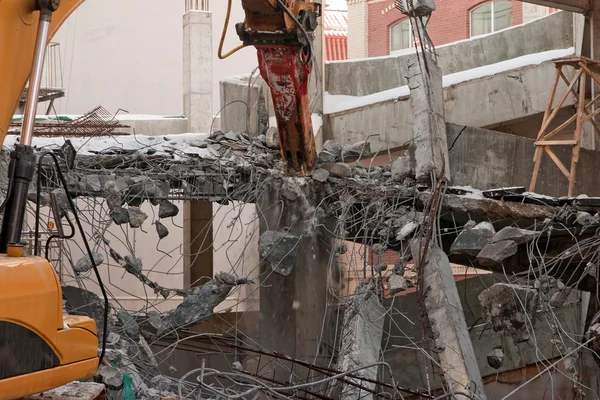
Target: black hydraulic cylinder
[[21, 171]]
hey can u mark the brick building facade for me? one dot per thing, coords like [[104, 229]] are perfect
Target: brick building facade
[[371, 23]]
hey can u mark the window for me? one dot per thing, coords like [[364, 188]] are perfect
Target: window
[[400, 36], [491, 17]]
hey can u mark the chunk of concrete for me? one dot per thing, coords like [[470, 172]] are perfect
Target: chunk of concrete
[[494, 253], [326, 157], [471, 241], [495, 358], [111, 377], [510, 309], [333, 148], [338, 170], [280, 249], [136, 217], [114, 199], [353, 152], [398, 284], [320, 175], [585, 219], [161, 382], [129, 324], [161, 230], [84, 264], [520, 236], [166, 209], [272, 135], [120, 216], [133, 265], [401, 168]]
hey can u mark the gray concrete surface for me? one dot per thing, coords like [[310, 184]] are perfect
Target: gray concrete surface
[[506, 96], [378, 74], [486, 159], [445, 314], [429, 124]]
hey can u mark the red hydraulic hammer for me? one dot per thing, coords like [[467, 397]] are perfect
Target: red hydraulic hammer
[[282, 32]]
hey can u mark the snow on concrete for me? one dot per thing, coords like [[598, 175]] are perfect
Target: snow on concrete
[[339, 103], [187, 143]]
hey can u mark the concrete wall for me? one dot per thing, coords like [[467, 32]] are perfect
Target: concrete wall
[[128, 54], [379, 74], [487, 159], [506, 96]]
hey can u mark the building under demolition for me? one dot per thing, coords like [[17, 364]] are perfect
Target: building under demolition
[[444, 246]]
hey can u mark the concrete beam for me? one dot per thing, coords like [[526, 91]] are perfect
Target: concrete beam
[[445, 313], [578, 6]]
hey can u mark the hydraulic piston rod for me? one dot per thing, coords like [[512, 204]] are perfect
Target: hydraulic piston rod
[[22, 161]]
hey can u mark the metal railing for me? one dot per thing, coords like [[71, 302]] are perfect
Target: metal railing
[[196, 5]]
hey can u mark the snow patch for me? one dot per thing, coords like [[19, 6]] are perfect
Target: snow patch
[[338, 103]]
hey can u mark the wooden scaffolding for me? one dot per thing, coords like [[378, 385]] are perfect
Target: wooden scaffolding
[[584, 68]]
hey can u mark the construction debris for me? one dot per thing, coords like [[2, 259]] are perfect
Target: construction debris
[[84, 264], [472, 240], [280, 249], [510, 309], [494, 253], [495, 358]]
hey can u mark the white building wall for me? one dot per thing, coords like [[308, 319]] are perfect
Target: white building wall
[[358, 29], [128, 54]]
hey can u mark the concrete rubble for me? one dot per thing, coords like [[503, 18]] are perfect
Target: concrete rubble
[[510, 309], [280, 250]]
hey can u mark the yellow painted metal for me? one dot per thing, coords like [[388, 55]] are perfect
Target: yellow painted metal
[[31, 296], [18, 28]]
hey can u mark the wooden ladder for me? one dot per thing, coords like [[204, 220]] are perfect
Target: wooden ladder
[[584, 68]]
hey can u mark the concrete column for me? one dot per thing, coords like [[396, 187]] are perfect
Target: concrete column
[[429, 123], [197, 243], [317, 82], [358, 29], [447, 319], [197, 70]]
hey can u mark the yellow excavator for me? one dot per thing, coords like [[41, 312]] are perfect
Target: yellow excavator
[[40, 347]]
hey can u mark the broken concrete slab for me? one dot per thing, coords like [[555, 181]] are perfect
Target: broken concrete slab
[[362, 332], [494, 253], [84, 264], [198, 306], [471, 241], [161, 382], [280, 249], [510, 309], [520, 236]]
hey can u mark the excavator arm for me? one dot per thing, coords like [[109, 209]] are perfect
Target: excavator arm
[[281, 30]]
